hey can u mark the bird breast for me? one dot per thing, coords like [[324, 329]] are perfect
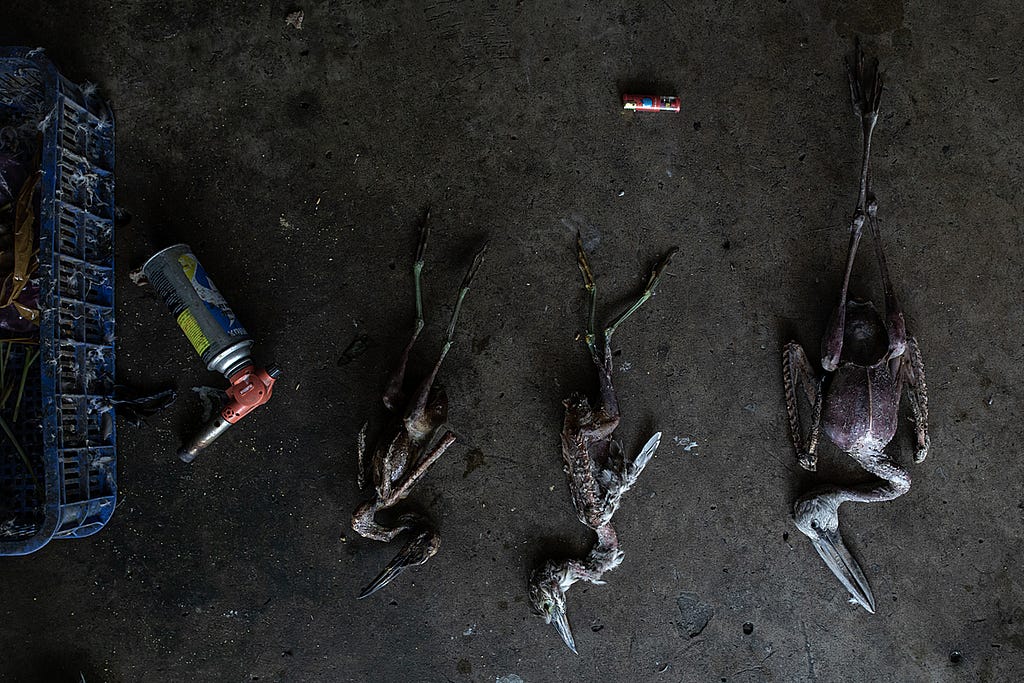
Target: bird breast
[[861, 408]]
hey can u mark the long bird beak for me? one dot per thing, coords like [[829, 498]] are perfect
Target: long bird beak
[[418, 550], [830, 546], [561, 624], [384, 578]]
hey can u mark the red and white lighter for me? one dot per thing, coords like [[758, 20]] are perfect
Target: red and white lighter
[[650, 103]]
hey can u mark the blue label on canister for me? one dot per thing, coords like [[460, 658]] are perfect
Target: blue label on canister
[[212, 298]]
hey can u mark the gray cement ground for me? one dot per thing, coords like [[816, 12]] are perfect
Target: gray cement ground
[[297, 164]]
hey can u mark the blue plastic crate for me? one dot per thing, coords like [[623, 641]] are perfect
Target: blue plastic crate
[[66, 420]]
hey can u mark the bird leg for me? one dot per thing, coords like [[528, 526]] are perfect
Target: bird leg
[[866, 94], [590, 284], [608, 396], [912, 367], [895, 325], [652, 282], [416, 420], [832, 342], [606, 419], [797, 370], [393, 394], [609, 399]]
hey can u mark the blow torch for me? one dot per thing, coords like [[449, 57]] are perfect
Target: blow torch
[[220, 340]]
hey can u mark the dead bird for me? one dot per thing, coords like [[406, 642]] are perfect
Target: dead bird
[[411, 443], [598, 472], [867, 362]]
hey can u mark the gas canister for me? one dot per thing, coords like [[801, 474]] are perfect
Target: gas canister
[[215, 333]]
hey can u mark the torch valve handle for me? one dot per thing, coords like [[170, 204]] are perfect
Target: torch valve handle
[[250, 388]]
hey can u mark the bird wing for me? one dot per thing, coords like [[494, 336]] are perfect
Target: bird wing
[[641, 460], [629, 476]]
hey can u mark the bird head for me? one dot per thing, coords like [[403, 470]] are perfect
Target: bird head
[[547, 598], [817, 517], [423, 545]]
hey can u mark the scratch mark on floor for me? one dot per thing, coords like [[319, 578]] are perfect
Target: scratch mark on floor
[[810, 657]]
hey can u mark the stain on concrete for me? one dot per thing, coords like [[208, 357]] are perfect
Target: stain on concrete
[[480, 344], [872, 17], [474, 459], [356, 348], [694, 614]]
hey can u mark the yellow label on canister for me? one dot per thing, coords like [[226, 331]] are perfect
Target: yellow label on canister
[[188, 264], [190, 326]]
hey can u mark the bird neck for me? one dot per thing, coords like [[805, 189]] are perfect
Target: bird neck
[[365, 523], [603, 557], [897, 480], [606, 537]]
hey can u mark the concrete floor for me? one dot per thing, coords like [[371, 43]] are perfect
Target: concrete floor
[[297, 163]]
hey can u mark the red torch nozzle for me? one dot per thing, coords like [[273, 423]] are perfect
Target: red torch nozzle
[[250, 388]]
